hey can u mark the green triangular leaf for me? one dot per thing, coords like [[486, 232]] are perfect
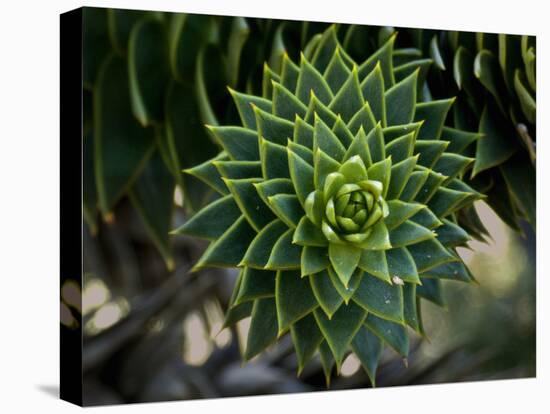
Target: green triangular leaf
[[451, 234], [421, 65], [311, 80], [273, 187], [343, 133], [341, 329], [315, 203], [363, 118], [213, 220], [401, 148], [353, 170], [431, 290], [498, 143], [229, 249], [289, 73], [400, 174], [294, 298], [401, 101], [414, 184], [287, 208], [452, 165], [397, 131], [267, 81], [348, 292], [273, 128], [285, 103], [373, 91], [381, 171], [240, 143], [409, 233], [382, 56], [249, 201], [432, 184], [316, 108], [374, 262], [429, 254], [336, 72], [308, 234], [427, 218], [401, 264], [303, 133], [274, 160], [378, 239], [326, 294], [393, 334], [380, 298], [255, 284], [452, 271], [246, 112], [368, 349], [260, 248], [307, 337], [458, 140], [209, 174], [344, 259], [323, 165], [302, 176], [349, 98], [445, 201], [236, 313], [263, 327], [239, 169], [399, 211], [375, 138], [412, 316], [429, 151], [327, 361], [325, 140], [433, 114], [360, 147], [314, 260], [285, 255], [302, 151], [328, 43]]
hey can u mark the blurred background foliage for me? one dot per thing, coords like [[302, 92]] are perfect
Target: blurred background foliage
[[151, 330]]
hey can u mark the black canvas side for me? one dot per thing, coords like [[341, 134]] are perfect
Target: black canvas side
[[71, 195]]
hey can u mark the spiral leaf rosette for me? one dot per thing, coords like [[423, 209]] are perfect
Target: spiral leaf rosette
[[337, 201]]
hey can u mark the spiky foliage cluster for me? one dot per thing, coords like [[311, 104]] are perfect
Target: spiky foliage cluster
[[150, 81], [497, 80], [147, 87], [338, 200], [494, 79]]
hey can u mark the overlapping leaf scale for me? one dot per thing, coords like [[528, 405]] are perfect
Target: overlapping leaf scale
[[317, 117]]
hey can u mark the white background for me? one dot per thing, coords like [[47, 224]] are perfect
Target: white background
[[29, 206]]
